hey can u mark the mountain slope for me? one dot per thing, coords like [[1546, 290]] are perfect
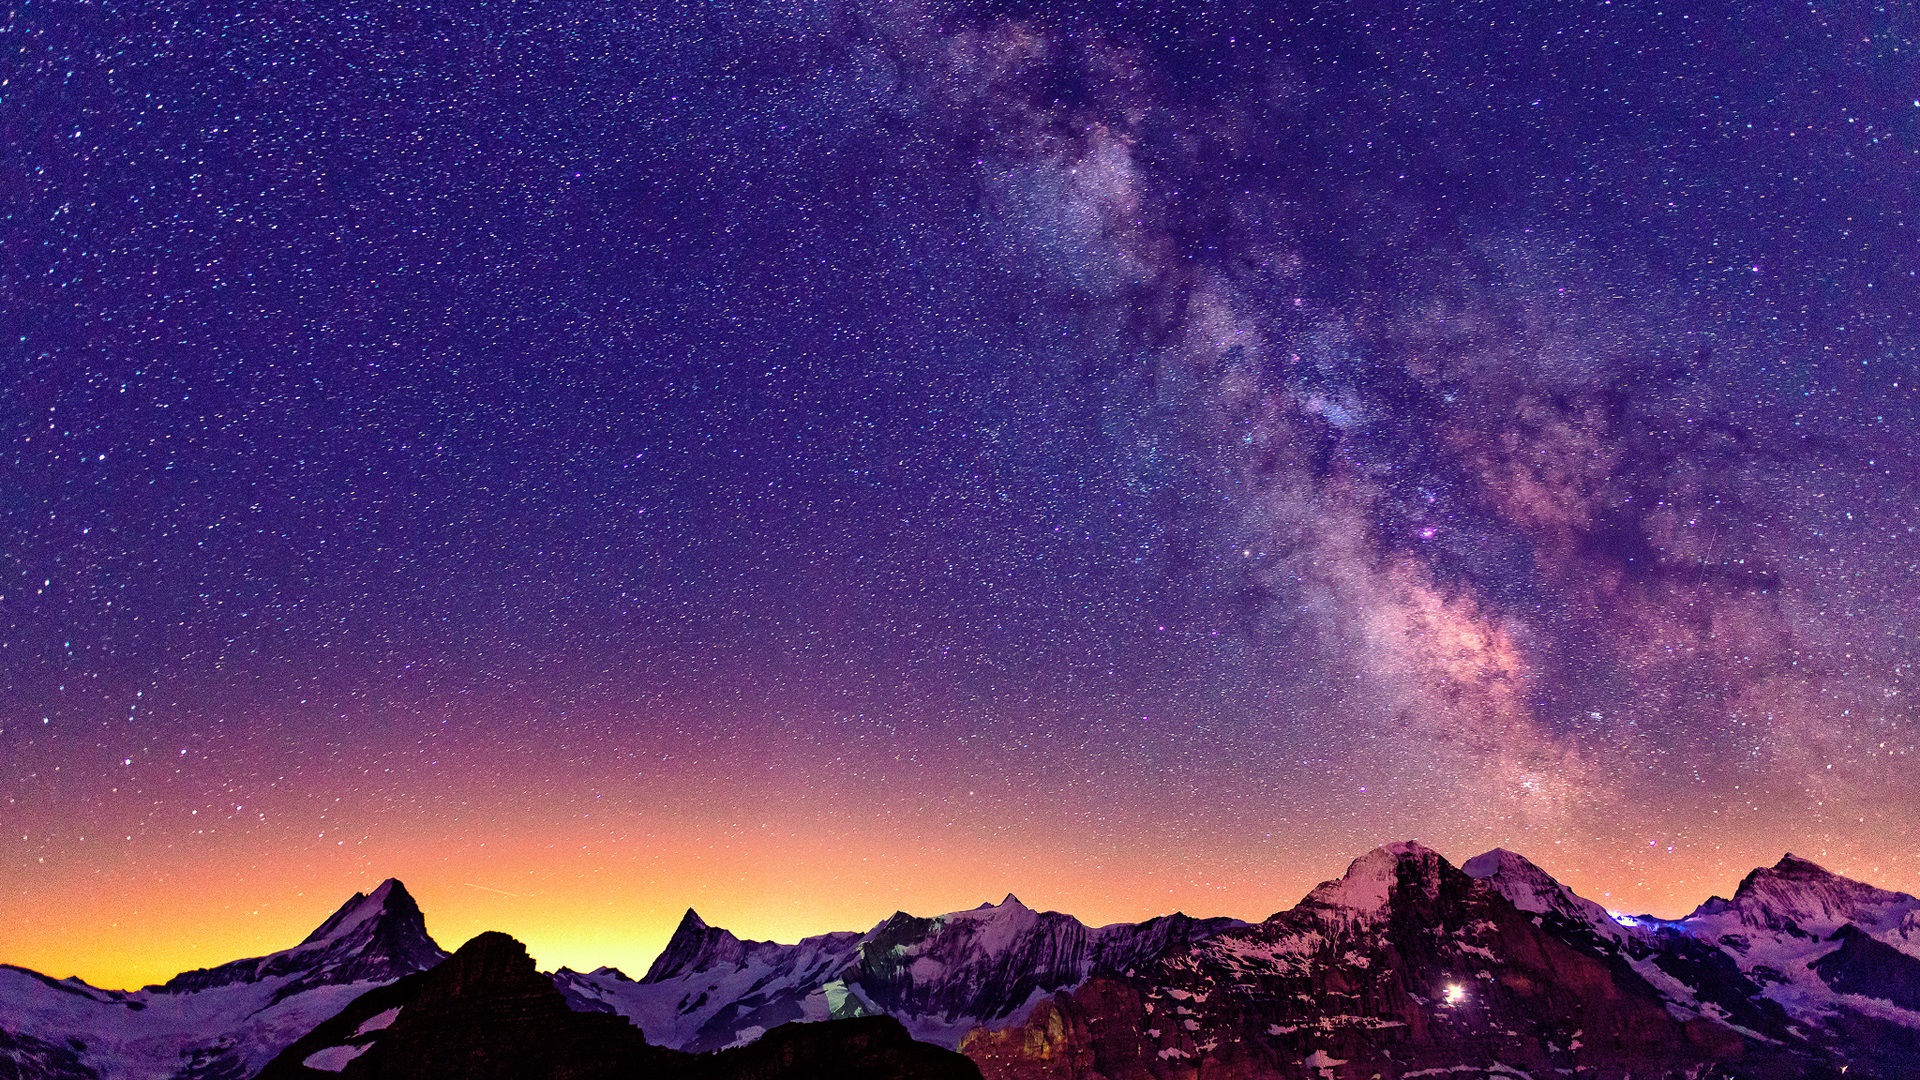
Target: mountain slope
[[940, 976], [219, 1023]]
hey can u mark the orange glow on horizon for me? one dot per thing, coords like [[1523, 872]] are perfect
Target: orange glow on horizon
[[608, 902]]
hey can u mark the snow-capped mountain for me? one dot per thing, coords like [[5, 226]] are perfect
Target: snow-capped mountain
[[1797, 900], [941, 976], [221, 1023], [1404, 966], [1840, 956], [1696, 978]]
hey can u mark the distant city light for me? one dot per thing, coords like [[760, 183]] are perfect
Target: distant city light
[[1455, 993]]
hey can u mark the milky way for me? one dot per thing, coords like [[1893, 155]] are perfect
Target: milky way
[[815, 460]]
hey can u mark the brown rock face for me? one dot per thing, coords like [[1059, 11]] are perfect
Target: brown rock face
[[1405, 965]]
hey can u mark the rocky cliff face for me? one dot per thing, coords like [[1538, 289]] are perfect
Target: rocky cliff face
[[220, 1023], [1405, 966], [940, 976]]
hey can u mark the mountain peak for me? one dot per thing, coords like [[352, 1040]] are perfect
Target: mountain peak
[[379, 935], [1490, 863], [1371, 878], [388, 900], [1792, 873], [488, 957], [1791, 864], [693, 945], [1533, 890], [1797, 896]]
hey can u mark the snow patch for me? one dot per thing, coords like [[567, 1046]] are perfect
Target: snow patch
[[377, 1022], [334, 1058]]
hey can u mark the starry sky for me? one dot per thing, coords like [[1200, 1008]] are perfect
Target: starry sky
[[804, 460]]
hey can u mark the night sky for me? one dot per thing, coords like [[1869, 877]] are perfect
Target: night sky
[[806, 460]]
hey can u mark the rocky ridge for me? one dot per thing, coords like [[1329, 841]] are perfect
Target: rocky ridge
[[941, 976]]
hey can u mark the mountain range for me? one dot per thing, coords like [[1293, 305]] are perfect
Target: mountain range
[[1406, 966]]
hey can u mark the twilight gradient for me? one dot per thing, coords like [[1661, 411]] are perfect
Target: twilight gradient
[[807, 460]]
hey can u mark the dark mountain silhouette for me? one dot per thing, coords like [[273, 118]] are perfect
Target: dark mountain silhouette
[[487, 1014]]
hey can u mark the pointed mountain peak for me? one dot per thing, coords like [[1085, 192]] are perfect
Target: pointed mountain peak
[[695, 944], [1011, 902], [1791, 873], [389, 900], [1791, 865], [392, 891]]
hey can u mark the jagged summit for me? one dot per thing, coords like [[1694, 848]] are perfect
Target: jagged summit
[[487, 1014], [695, 946], [488, 957], [941, 975], [389, 899]]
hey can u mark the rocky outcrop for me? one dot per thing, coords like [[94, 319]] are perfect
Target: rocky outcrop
[[1871, 968]]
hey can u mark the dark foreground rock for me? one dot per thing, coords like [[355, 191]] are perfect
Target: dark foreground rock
[[487, 1014]]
